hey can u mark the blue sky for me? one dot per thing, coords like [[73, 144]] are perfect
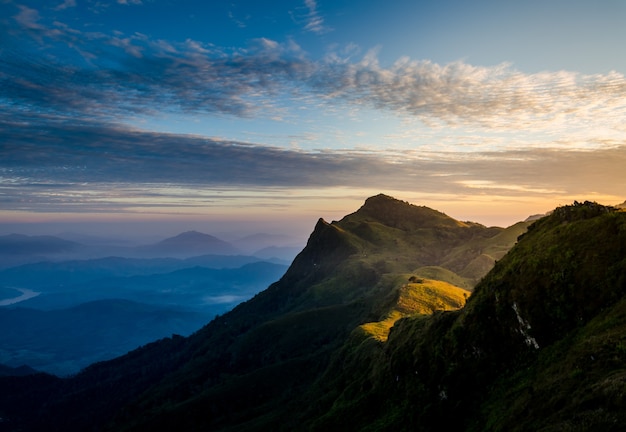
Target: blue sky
[[241, 112]]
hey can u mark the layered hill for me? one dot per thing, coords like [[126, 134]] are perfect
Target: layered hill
[[17, 249], [363, 333], [187, 244]]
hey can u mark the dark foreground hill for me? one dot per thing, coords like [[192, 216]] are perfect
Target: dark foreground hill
[[538, 346]]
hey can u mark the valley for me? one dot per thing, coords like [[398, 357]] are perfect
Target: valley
[[65, 314]]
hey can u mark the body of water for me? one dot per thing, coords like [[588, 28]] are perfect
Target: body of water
[[26, 294]]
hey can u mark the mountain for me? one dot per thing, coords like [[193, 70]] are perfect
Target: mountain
[[17, 249], [366, 268], [19, 244], [50, 276], [356, 337], [190, 243], [538, 345]]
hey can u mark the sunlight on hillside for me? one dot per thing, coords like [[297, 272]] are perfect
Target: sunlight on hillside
[[418, 297]]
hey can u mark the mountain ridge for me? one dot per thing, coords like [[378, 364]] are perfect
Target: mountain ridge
[[492, 364], [292, 358], [20, 249]]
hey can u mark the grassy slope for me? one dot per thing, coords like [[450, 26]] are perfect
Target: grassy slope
[[563, 287], [417, 297]]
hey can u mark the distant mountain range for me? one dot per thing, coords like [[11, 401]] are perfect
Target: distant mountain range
[[18, 249], [18, 244], [139, 295]]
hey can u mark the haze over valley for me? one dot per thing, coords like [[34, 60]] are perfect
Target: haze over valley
[[70, 304]]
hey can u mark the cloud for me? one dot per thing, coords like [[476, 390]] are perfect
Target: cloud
[[63, 167], [66, 4], [463, 94], [117, 74], [314, 21], [28, 18], [101, 153]]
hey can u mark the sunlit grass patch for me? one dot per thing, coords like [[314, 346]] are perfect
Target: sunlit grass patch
[[417, 297]]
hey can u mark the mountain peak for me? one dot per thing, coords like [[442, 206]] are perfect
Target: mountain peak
[[381, 197], [401, 214], [195, 242]]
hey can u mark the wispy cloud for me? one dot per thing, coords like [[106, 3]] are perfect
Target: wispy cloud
[[314, 20], [462, 94], [124, 74], [66, 4]]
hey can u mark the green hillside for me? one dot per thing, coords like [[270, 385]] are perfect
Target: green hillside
[[538, 346], [364, 332]]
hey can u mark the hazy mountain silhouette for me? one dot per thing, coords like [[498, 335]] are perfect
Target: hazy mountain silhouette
[[190, 243], [19, 244], [16, 249]]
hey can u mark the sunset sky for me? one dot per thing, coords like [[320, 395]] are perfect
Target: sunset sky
[[168, 115]]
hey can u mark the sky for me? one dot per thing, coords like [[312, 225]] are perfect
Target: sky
[[161, 115]]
